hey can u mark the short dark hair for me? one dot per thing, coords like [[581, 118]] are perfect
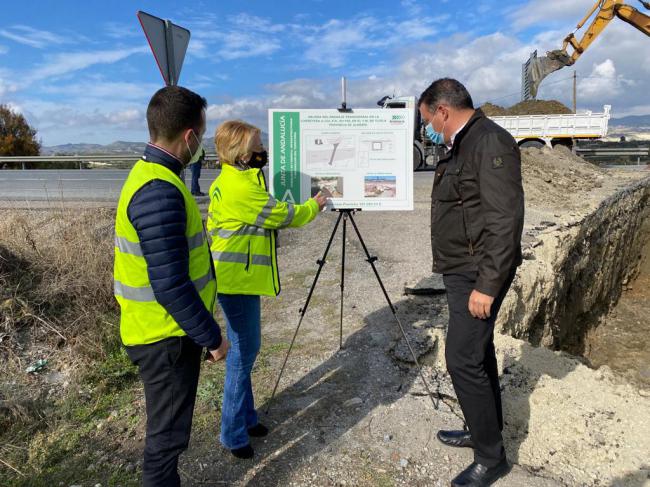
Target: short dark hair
[[172, 110], [448, 91]]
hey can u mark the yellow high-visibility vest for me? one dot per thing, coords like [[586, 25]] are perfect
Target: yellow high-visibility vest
[[242, 220], [143, 320]]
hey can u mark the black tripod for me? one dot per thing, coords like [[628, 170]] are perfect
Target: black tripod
[[345, 215]]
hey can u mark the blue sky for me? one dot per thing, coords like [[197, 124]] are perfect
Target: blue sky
[[83, 72]]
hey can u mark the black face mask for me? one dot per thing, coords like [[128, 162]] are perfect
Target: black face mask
[[258, 159]]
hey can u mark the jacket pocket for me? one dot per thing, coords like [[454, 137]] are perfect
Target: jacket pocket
[[447, 189], [468, 229], [248, 259]]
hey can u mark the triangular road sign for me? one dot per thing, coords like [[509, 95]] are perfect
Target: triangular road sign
[[168, 43]]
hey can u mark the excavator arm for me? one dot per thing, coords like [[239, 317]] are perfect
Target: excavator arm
[[540, 68]]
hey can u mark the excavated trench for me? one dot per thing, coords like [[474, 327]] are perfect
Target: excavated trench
[[622, 338], [586, 289]]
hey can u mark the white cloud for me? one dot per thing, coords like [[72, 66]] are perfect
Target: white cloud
[[29, 36], [602, 79], [549, 12], [253, 22], [52, 119], [615, 71], [241, 36], [238, 45], [6, 87], [65, 63], [103, 90], [412, 7], [116, 30], [333, 42]]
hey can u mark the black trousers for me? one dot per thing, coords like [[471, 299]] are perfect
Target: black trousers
[[170, 372], [472, 365]]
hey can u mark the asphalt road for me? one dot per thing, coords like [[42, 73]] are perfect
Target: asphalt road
[[101, 186]]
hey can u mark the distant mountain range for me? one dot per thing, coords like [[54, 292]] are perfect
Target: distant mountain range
[[119, 147], [633, 121]]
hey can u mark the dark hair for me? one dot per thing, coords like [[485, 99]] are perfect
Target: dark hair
[[172, 110], [448, 91]]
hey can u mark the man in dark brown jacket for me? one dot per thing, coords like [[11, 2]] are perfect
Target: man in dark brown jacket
[[477, 213]]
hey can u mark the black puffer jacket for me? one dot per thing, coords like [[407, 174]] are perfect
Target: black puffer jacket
[[157, 212], [477, 205]]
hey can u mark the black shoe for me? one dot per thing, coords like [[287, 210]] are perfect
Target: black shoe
[[258, 431], [244, 452], [461, 439], [477, 475], [199, 193]]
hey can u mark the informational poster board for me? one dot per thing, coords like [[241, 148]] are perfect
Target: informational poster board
[[363, 157]]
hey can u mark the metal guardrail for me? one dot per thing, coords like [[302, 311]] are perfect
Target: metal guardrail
[[609, 152], [83, 159]]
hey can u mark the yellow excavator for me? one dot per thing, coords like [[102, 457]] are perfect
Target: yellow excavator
[[539, 68]]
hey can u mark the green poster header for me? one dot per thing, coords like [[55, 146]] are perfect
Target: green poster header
[[286, 156]]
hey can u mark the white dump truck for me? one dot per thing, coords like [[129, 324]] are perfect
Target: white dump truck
[[528, 130], [551, 130]]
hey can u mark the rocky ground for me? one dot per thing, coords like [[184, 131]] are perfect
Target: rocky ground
[[360, 415]]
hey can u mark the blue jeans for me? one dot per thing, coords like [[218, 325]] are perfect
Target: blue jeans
[[196, 174], [242, 313]]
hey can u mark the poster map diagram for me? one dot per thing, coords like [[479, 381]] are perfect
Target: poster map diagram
[[364, 157]]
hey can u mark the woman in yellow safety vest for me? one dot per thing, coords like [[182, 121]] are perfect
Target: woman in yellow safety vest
[[242, 220]]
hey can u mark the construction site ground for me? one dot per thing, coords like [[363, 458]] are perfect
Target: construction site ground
[[360, 416]]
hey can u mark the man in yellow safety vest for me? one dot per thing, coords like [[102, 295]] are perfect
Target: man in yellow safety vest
[[164, 279]]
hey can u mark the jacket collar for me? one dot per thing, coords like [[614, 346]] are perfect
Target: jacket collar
[[158, 155], [478, 114], [238, 169]]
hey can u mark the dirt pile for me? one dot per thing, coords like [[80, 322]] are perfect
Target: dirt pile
[[550, 175], [530, 107]]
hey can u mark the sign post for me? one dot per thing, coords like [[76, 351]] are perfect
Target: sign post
[[168, 42]]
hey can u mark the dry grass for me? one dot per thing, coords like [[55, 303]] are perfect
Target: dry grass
[[57, 305], [56, 282]]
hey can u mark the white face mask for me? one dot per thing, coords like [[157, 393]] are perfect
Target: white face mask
[[199, 150]]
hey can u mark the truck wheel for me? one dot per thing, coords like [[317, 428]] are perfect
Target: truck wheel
[[532, 143], [417, 158]]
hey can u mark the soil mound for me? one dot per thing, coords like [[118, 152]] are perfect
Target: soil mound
[[555, 177], [530, 107]]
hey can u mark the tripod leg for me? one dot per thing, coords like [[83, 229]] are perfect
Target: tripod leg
[[345, 221], [371, 260], [303, 310]]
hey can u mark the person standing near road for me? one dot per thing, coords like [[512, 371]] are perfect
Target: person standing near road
[[477, 213], [195, 168], [243, 219], [164, 279]]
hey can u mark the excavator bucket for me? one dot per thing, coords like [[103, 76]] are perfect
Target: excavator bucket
[[538, 68]]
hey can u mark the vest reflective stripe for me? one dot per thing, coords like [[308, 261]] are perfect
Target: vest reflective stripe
[[242, 220], [245, 230], [142, 319], [127, 247], [203, 281], [140, 294], [266, 211], [145, 294], [292, 212], [196, 240], [133, 248], [242, 258]]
